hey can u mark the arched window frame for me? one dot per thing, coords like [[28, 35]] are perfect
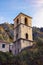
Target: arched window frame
[[17, 36], [26, 21], [17, 21], [26, 35]]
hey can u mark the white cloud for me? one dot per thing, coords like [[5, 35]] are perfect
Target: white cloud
[[39, 3], [38, 18], [38, 15], [35, 3], [2, 19]]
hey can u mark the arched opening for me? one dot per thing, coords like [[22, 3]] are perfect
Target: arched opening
[[26, 21], [26, 36], [10, 51], [17, 21], [17, 36]]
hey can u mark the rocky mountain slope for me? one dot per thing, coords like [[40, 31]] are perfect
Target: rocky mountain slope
[[7, 32]]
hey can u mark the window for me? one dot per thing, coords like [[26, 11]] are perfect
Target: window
[[3, 45], [10, 51], [26, 36], [26, 22], [17, 21], [17, 36]]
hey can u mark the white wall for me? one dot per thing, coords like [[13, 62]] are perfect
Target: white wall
[[6, 47]]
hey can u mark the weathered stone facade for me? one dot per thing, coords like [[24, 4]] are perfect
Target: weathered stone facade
[[22, 32], [4, 46]]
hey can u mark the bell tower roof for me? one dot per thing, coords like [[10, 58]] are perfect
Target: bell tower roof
[[21, 14]]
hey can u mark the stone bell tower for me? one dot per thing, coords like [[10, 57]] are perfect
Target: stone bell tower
[[22, 32]]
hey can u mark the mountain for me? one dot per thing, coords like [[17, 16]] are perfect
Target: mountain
[[37, 33], [32, 56], [7, 32]]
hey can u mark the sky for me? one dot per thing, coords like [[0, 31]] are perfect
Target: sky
[[9, 9]]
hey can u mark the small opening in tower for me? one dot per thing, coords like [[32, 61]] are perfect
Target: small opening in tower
[[26, 21], [26, 36], [10, 51], [17, 36], [17, 21]]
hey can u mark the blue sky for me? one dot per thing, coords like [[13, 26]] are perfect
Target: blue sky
[[9, 9]]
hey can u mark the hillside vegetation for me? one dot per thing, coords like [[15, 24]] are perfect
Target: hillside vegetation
[[28, 56], [33, 56], [6, 32]]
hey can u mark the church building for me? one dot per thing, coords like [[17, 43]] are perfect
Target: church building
[[22, 32]]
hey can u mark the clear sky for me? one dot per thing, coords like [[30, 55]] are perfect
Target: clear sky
[[9, 9]]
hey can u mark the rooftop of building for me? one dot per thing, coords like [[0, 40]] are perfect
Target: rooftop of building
[[1, 41], [22, 14]]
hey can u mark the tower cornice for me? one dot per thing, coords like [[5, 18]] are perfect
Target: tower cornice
[[22, 14], [22, 24]]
